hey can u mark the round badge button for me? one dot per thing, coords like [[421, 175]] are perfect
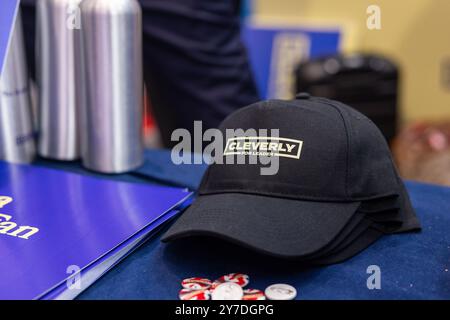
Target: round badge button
[[196, 283], [227, 291], [253, 295], [187, 294], [281, 292], [238, 278]]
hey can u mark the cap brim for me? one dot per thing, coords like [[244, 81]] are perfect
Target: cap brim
[[278, 227], [343, 253], [355, 224]]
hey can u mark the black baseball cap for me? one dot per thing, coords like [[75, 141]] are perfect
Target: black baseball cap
[[331, 160]]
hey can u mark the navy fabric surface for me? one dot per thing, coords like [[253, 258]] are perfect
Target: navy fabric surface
[[157, 169], [413, 265]]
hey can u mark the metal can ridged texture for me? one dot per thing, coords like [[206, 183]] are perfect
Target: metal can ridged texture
[[113, 123], [60, 79], [17, 140]]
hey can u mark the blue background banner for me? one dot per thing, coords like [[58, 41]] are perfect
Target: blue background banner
[[261, 45]]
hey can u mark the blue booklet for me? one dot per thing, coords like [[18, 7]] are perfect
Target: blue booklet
[[53, 223]]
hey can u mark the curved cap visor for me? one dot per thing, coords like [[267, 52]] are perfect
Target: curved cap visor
[[363, 241], [275, 226]]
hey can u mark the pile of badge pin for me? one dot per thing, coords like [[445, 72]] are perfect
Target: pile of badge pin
[[232, 287]]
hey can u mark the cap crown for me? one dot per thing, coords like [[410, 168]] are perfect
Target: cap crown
[[340, 154]]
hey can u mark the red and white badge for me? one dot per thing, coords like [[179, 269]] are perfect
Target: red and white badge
[[238, 278], [196, 283], [186, 294], [253, 294]]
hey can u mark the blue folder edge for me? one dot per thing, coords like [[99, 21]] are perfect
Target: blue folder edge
[[138, 239], [62, 292]]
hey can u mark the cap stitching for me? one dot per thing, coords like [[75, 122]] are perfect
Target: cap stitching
[[286, 196], [328, 102]]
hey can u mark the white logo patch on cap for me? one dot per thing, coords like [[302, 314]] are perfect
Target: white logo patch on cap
[[264, 146]]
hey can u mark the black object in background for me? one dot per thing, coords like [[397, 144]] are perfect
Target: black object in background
[[196, 65], [368, 83]]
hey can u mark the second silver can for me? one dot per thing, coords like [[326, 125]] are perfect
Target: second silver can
[[60, 79], [112, 130]]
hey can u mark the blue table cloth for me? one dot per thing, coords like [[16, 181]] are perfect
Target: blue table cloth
[[413, 265]]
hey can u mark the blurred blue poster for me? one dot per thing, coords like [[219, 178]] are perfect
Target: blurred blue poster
[[275, 52], [8, 13]]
